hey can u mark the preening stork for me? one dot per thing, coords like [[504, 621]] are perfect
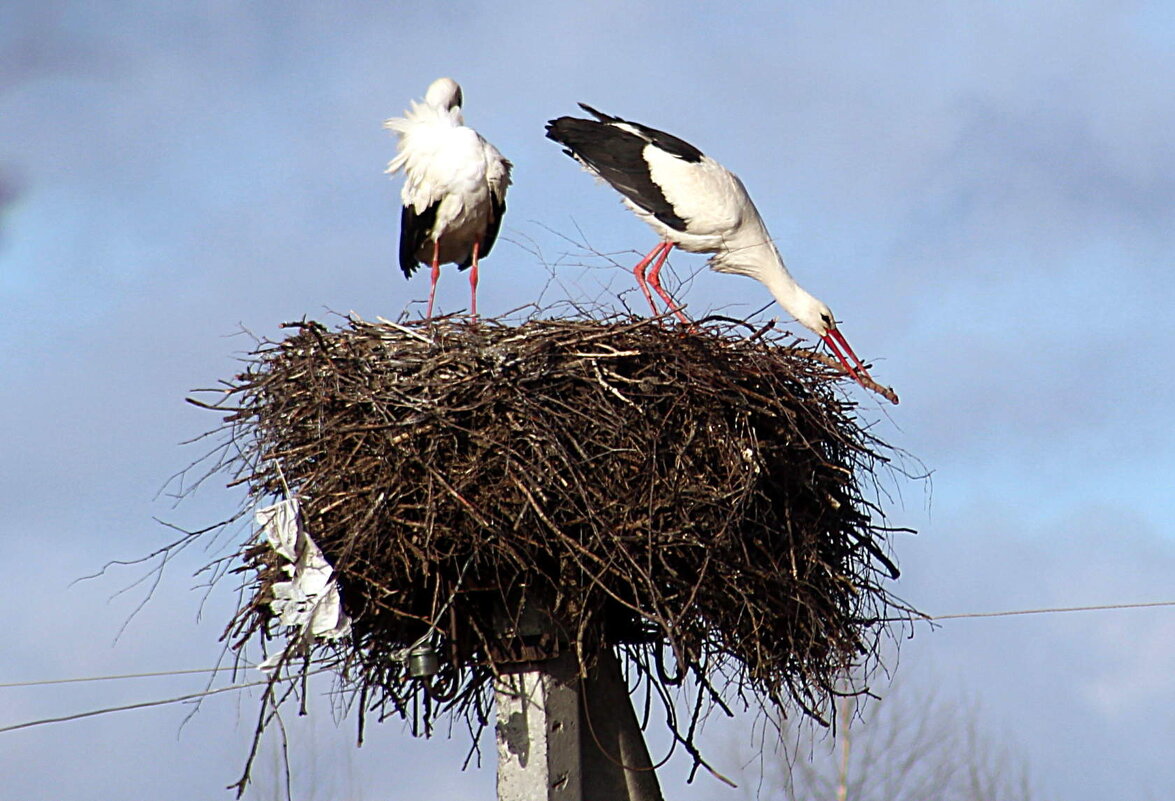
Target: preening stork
[[454, 191], [696, 204]]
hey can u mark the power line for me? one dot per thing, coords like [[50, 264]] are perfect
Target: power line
[[932, 618], [44, 682], [144, 704], [260, 682], [1047, 611]]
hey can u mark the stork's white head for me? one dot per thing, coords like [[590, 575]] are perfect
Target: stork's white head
[[816, 316], [443, 93], [810, 312]]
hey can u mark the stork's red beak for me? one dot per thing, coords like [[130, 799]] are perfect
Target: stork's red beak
[[840, 347]]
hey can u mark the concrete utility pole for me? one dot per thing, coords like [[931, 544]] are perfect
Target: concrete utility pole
[[566, 738]]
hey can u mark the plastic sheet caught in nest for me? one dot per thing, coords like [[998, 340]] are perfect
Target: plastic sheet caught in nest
[[693, 498]]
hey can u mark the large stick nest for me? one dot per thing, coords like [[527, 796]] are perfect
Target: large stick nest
[[696, 499]]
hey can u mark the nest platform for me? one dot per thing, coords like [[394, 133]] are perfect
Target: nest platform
[[694, 499]]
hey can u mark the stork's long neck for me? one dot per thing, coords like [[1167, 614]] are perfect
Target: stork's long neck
[[790, 295], [757, 257]]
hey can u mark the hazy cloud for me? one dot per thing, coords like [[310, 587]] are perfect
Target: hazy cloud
[[984, 194]]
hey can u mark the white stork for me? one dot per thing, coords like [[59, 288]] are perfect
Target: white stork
[[454, 191], [696, 204]]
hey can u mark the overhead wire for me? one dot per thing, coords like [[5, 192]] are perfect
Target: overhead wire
[[145, 704], [1047, 610], [260, 682]]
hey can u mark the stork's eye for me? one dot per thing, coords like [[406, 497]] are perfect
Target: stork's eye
[[826, 319]]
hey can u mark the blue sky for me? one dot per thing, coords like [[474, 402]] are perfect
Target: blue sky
[[984, 193]]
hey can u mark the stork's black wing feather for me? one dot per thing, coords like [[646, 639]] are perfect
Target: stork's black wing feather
[[415, 230], [497, 211], [617, 156], [493, 224], [666, 141], [599, 115]]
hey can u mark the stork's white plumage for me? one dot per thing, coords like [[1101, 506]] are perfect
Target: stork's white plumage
[[454, 191], [696, 204]]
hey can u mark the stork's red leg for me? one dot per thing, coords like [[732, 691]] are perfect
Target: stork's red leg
[[639, 271], [655, 280], [436, 273], [473, 283]]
